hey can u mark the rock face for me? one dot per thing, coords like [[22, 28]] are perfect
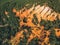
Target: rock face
[[29, 22], [30, 25]]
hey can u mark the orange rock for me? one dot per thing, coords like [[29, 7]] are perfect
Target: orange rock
[[14, 10], [48, 33], [58, 33], [6, 12], [46, 40], [17, 13], [42, 27]]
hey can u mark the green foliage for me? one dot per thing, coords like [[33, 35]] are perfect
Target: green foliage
[[52, 38], [12, 22], [23, 41], [10, 30], [47, 24], [34, 42], [54, 4], [35, 19], [50, 24]]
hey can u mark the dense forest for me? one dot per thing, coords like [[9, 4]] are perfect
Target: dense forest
[[10, 23]]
